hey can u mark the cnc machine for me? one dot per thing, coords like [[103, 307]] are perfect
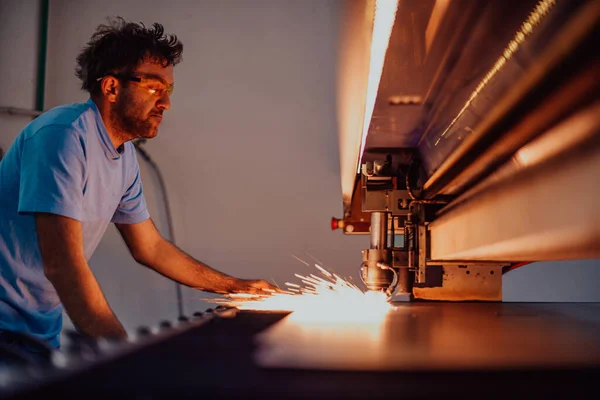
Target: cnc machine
[[477, 148]]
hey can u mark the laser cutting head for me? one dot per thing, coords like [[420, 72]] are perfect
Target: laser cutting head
[[377, 275], [375, 270]]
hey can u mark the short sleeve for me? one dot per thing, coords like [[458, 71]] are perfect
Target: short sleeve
[[53, 172], [132, 208]]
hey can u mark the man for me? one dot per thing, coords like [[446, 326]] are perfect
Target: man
[[71, 172]]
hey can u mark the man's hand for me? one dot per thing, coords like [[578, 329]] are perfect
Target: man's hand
[[256, 286]]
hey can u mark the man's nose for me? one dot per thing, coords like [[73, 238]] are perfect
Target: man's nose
[[164, 103]]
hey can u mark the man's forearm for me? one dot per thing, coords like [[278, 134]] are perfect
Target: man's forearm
[[85, 303], [60, 242], [149, 248], [175, 264]]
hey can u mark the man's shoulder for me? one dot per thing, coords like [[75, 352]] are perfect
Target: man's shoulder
[[63, 118]]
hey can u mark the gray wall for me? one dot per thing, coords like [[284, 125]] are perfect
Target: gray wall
[[248, 149], [18, 64]]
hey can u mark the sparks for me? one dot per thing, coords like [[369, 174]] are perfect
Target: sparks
[[322, 298]]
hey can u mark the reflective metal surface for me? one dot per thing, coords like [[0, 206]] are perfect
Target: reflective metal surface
[[218, 359], [458, 76], [441, 336], [539, 211]]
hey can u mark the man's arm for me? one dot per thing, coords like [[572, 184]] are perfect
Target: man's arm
[[149, 248], [65, 266]]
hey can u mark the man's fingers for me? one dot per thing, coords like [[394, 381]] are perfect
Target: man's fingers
[[263, 287], [258, 287]]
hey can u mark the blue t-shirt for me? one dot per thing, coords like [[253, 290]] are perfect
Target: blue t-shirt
[[63, 162]]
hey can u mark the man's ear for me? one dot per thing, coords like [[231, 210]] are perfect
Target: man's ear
[[110, 88]]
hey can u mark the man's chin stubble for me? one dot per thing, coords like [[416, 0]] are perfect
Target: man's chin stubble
[[151, 134]]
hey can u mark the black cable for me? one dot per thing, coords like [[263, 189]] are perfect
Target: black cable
[[413, 197], [163, 188]]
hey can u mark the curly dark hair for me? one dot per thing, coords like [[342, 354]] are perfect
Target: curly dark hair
[[120, 46]]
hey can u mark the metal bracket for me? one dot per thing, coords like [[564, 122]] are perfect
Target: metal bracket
[[393, 201], [422, 254], [465, 282]]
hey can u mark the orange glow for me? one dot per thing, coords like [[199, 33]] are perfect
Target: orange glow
[[385, 15], [322, 345], [325, 298]]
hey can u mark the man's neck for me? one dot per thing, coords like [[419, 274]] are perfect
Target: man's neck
[[116, 135]]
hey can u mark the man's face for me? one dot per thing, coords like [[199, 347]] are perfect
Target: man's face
[[139, 107]]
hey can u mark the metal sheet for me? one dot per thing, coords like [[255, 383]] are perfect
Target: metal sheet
[[442, 336], [215, 361]]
